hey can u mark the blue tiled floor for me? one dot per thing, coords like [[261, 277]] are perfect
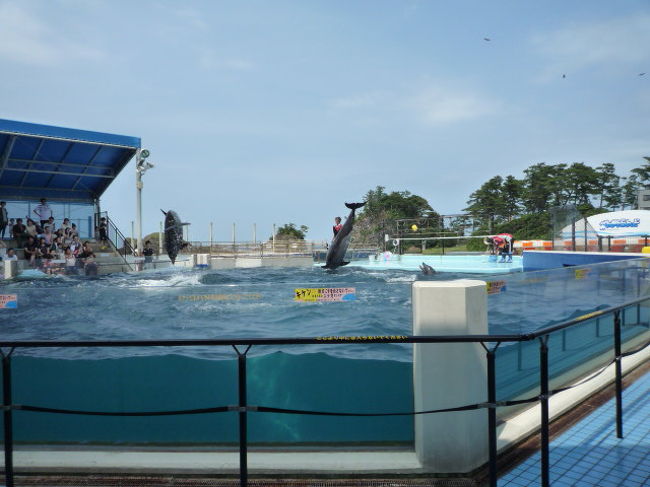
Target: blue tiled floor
[[589, 454]]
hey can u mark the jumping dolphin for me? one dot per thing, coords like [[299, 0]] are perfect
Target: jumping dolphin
[[173, 234], [339, 245]]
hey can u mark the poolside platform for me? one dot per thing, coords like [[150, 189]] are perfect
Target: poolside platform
[[589, 454]]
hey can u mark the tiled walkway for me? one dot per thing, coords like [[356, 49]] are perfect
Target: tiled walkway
[[589, 454]]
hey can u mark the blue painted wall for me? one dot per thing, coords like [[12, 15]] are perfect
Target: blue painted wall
[[309, 382], [535, 261]]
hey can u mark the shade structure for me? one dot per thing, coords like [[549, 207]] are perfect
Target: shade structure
[[58, 163]]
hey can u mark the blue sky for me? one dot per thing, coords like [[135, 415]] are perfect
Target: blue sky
[[280, 111]]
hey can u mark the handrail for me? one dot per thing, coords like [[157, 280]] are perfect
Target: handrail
[[128, 248]]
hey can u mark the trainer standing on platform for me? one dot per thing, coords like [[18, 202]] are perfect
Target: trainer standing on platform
[[43, 211]]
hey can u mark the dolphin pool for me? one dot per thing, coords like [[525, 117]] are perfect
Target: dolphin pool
[[192, 304]]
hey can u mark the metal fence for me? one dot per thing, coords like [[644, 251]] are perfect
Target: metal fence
[[243, 345]]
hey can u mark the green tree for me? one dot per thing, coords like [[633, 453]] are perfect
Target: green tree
[[579, 183], [642, 174], [511, 190], [609, 186], [289, 231], [630, 191], [378, 216], [540, 187], [487, 203]]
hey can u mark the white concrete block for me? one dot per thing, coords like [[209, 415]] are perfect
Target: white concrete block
[[450, 374]]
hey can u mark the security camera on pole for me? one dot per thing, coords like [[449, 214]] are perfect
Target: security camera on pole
[[141, 166]]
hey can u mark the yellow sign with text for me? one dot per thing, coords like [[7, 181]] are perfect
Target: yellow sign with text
[[324, 294]]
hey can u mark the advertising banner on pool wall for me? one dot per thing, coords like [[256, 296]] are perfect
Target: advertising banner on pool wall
[[629, 223]]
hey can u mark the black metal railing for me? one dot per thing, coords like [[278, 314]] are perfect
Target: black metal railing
[[489, 342], [122, 245]]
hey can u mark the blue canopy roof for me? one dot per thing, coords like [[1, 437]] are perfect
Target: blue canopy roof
[[57, 163]]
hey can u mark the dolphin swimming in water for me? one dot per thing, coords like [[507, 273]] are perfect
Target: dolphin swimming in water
[[427, 269], [339, 245], [173, 234]]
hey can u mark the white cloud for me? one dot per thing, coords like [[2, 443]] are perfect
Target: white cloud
[[439, 106], [621, 41], [435, 104], [192, 17], [209, 59], [27, 40], [363, 100]]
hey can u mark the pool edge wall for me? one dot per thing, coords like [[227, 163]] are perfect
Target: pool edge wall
[[314, 381], [537, 260]]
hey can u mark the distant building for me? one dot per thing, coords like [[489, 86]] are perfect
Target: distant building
[[644, 199]]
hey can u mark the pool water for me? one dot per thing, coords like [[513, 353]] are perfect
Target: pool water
[[201, 304]]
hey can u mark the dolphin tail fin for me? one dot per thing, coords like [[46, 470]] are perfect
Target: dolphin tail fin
[[354, 206], [344, 263]]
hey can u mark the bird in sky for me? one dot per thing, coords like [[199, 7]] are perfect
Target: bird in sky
[[641, 74], [487, 39], [564, 75]]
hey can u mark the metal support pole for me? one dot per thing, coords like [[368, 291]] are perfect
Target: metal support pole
[[243, 417], [138, 211], [619, 375], [519, 357], [211, 237], [234, 239], [564, 340], [573, 236], [492, 413], [160, 239], [8, 422], [543, 398]]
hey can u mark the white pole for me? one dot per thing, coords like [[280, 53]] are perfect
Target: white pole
[[233, 239], [273, 247], [211, 239], [160, 239], [132, 233], [254, 233], [138, 199]]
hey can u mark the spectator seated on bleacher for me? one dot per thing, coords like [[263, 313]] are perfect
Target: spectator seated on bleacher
[[10, 255], [31, 229], [30, 250], [50, 224], [19, 232]]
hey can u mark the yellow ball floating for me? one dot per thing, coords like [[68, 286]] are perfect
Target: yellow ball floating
[[414, 228]]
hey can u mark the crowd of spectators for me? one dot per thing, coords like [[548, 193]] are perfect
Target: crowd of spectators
[[52, 250]]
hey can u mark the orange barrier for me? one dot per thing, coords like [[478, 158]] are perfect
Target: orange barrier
[[533, 244]]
